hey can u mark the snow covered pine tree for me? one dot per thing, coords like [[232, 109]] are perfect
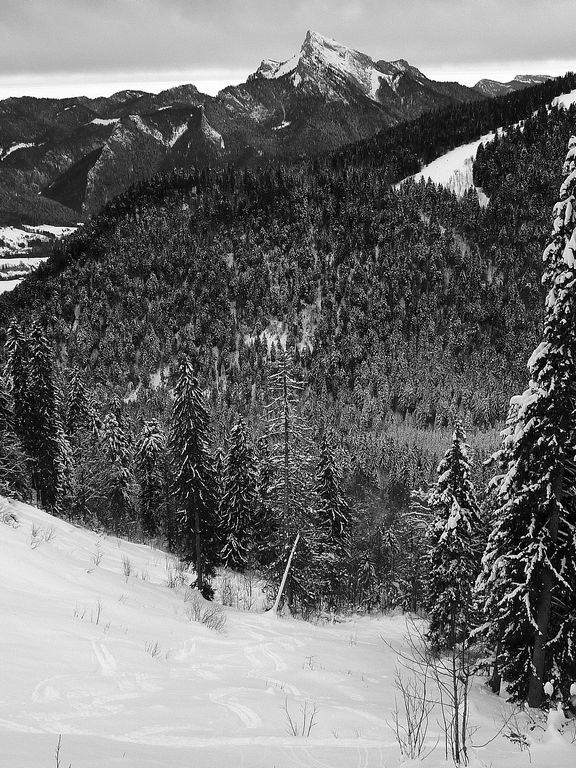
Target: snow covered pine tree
[[119, 482], [529, 568], [239, 501], [36, 413], [454, 557], [333, 518], [332, 508], [149, 449], [194, 482]]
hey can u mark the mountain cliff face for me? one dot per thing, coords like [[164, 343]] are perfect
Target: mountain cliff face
[[492, 88], [325, 68], [62, 159]]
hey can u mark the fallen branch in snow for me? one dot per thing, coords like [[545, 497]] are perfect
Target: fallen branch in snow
[[283, 582]]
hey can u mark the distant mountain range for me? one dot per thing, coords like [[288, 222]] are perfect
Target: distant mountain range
[[495, 88], [62, 159]]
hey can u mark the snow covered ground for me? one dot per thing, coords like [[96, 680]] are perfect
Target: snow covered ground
[[97, 648], [9, 285], [17, 242]]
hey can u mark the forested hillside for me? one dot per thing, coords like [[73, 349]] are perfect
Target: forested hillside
[[400, 311], [362, 279]]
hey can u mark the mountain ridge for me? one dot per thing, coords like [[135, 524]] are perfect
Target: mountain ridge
[[62, 159], [492, 88]]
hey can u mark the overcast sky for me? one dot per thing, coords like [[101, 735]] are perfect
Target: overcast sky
[[69, 47]]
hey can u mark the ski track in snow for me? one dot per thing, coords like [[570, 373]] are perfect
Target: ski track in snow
[[225, 697], [105, 660]]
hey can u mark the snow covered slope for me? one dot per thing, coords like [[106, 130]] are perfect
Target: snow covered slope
[[566, 100], [16, 243], [97, 648], [454, 169]]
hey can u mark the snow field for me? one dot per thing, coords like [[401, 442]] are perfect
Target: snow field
[[566, 100], [97, 647], [9, 285], [454, 169], [15, 242]]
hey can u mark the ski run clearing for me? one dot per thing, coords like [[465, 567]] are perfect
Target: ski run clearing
[[453, 170], [97, 648]]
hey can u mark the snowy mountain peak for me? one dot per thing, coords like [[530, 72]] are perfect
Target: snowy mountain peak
[[324, 65], [403, 66], [316, 44]]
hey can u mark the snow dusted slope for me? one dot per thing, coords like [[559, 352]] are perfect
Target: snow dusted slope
[[566, 100], [16, 244], [454, 169], [112, 663]]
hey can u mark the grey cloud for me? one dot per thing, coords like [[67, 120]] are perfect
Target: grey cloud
[[43, 36]]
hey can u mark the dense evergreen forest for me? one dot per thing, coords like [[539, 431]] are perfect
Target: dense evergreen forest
[[400, 311]]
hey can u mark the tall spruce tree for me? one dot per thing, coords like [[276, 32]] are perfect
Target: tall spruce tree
[[454, 556], [332, 509], [194, 481], [36, 413], [238, 506], [333, 519], [14, 479], [266, 523], [18, 354], [119, 484], [529, 568], [149, 450], [79, 405]]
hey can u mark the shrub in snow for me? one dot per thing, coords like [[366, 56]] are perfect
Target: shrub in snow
[[204, 612]]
